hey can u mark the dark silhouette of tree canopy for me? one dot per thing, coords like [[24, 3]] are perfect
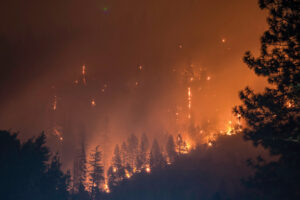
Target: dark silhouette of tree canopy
[[273, 116], [27, 172]]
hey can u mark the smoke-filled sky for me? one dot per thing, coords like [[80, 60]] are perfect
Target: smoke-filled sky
[[135, 53]]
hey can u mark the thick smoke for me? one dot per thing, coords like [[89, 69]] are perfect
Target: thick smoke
[[42, 57]]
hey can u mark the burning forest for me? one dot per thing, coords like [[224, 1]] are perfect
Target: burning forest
[[108, 100]]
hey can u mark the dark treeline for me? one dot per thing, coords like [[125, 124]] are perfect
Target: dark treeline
[[203, 173]]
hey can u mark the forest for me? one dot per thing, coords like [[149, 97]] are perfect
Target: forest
[[257, 161]]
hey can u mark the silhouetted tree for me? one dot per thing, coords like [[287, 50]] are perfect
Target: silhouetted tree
[[124, 154], [116, 171], [132, 149], [143, 151], [27, 173], [157, 159], [96, 173], [55, 181], [171, 149], [80, 168], [273, 116]]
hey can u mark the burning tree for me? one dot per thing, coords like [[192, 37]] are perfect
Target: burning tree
[[157, 159], [273, 116], [132, 150], [171, 149], [143, 153], [116, 171], [96, 173]]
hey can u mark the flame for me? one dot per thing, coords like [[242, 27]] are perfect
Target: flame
[[148, 169], [93, 102], [114, 169], [54, 103], [58, 134], [140, 67], [83, 72], [127, 174], [106, 188], [223, 40], [208, 78]]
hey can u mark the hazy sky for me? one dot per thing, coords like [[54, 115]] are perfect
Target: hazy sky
[[45, 43]]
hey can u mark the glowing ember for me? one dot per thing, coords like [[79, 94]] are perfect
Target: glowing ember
[[140, 67], [54, 103], [58, 134], [223, 40], [209, 144], [208, 78], [106, 188], [93, 102], [148, 170], [83, 72]]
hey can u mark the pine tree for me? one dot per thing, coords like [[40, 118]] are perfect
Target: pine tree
[[116, 171], [132, 149], [273, 117], [124, 154], [157, 159], [142, 154], [96, 173], [171, 149], [80, 168]]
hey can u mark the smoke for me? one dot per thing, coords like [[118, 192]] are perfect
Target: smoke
[[46, 43]]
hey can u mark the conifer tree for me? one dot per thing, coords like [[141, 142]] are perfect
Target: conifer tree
[[157, 159], [170, 149], [273, 116], [96, 173], [142, 154]]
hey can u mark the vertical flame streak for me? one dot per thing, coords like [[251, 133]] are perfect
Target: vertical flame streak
[[189, 101], [54, 103], [83, 72]]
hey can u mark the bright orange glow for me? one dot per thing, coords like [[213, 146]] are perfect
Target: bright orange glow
[[83, 72], [54, 103], [106, 188], [93, 102], [58, 134], [208, 78], [148, 170]]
